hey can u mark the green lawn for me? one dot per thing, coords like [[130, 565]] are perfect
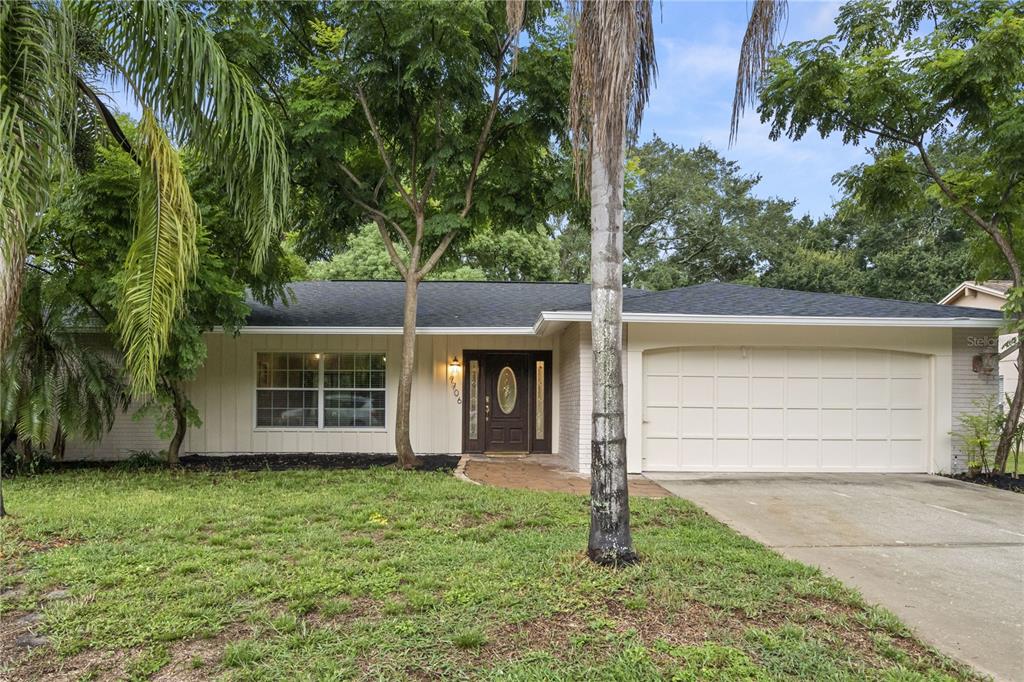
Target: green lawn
[[383, 574]]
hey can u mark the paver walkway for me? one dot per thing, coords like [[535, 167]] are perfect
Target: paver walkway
[[538, 472]]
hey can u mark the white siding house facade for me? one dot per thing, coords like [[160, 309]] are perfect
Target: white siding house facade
[[717, 378]]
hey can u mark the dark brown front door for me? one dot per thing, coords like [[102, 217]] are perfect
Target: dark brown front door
[[506, 403]]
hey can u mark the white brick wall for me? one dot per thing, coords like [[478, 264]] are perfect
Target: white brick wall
[[969, 386]]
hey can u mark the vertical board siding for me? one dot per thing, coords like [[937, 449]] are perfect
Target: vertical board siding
[[224, 392], [969, 387]]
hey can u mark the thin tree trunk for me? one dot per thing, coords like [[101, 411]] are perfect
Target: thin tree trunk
[[610, 539], [403, 441], [1012, 416], [180, 424], [59, 442]]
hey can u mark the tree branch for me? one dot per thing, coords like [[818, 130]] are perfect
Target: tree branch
[[381, 148], [396, 260], [438, 252], [481, 144]]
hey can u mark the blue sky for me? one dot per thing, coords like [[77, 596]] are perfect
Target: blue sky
[[697, 45]]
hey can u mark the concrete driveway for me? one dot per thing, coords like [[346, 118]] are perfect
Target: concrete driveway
[[947, 557]]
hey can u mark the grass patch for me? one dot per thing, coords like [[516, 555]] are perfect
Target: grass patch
[[383, 574]]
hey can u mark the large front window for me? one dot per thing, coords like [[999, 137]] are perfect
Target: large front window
[[320, 390]]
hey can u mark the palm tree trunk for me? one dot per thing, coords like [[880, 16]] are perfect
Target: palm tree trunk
[[180, 424], [610, 539], [403, 441]]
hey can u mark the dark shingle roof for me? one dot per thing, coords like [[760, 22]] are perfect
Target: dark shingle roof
[[519, 304], [440, 304], [735, 299]]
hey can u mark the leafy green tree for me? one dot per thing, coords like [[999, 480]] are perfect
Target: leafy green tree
[[82, 242], [936, 86], [411, 116], [53, 55], [509, 255], [51, 384]]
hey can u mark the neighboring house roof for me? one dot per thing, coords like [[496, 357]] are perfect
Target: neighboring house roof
[[526, 307], [995, 287]]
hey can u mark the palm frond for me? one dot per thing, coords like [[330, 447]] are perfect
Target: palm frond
[[613, 70], [766, 20], [162, 258], [176, 68], [34, 104]]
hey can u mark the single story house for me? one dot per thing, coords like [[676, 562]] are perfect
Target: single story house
[[991, 295], [718, 377]]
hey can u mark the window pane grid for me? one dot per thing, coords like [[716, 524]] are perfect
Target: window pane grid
[[289, 388]]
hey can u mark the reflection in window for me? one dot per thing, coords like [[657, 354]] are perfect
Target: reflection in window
[[354, 390], [540, 399], [286, 389], [474, 378]]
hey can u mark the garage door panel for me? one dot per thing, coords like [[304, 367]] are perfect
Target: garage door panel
[[872, 392], [872, 363], [767, 391], [662, 454], [767, 422], [698, 362], [778, 409], [837, 454], [837, 423], [662, 362], [802, 423], [804, 363], [838, 392], [838, 363], [908, 392], [663, 422], [871, 424], [733, 362], [732, 422], [733, 453], [871, 454], [801, 454], [907, 454], [697, 452], [698, 391], [768, 362], [768, 454], [663, 390], [733, 391], [907, 423], [697, 422], [802, 392]]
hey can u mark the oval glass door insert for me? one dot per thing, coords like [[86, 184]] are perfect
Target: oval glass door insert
[[507, 390]]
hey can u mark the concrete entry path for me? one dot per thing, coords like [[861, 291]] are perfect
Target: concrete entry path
[[946, 556]]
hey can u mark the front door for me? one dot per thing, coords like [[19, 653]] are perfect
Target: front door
[[506, 403]]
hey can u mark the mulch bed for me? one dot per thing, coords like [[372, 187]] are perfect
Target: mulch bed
[[273, 462], [1003, 481]]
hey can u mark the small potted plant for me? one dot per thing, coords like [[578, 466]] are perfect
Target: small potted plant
[[973, 468]]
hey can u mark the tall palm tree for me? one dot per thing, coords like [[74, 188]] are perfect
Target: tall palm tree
[[767, 18], [612, 73], [188, 93]]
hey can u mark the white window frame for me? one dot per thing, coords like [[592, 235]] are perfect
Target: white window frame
[[320, 389]]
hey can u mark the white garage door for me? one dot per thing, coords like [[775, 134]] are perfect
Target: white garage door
[[760, 409]]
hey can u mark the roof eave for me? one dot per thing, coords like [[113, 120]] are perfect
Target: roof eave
[[960, 290], [793, 320]]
